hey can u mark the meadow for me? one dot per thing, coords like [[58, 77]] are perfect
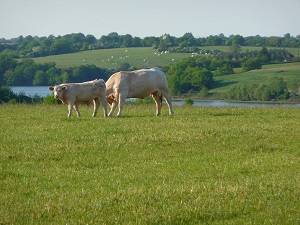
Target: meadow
[[146, 57], [288, 71], [113, 58], [204, 165]]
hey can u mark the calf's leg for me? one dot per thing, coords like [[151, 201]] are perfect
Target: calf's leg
[[77, 109], [104, 105], [96, 106], [70, 108]]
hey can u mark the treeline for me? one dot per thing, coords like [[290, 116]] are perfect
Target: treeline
[[28, 73], [32, 46]]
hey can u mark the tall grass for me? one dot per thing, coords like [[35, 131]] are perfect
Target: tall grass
[[204, 165]]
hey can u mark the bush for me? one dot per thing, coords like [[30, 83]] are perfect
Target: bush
[[275, 88], [251, 64], [6, 94], [189, 101], [49, 99]]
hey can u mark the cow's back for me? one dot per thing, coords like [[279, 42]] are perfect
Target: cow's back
[[85, 91], [138, 83]]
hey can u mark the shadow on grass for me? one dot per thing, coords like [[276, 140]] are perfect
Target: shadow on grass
[[219, 84]]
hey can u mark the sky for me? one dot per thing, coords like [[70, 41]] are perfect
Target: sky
[[143, 18]]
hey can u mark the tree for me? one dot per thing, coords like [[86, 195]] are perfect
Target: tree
[[150, 42], [251, 64], [6, 63], [278, 88], [264, 55], [189, 75], [166, 41], [238, 39], [61, 46], [40, 78], [187, 40], [127, 41]]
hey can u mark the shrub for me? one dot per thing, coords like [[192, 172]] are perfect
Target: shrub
[[49, 99], [251, 64], [188, 101]]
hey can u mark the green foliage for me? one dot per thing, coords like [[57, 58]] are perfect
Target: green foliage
[[125, 66], [205, 165], [190, 74], [275, 88], [50, 100], [6, 94], [224, 70], [188, 101], [251, 64], [30, 46]]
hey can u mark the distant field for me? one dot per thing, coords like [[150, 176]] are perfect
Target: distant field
[[289, 71], [205, 165], [113, 58], [136, 57], [149, 57]]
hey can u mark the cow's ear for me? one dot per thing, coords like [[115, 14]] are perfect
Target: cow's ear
[[51, 88], [64, 88]]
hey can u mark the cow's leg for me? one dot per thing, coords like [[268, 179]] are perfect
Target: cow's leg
[[70, 108], [168, 99], [96, 106], [104, 105], [76, 109], [158, 102], [122, 99], [112, 107]]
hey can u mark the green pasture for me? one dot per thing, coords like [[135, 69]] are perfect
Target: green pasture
[[137, 57], [113, 58], [204, 165], [289, 71]]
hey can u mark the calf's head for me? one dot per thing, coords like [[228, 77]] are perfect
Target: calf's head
[[58, 91]]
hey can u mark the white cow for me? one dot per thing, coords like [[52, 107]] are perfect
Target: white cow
[[137, 84], [73, 93]]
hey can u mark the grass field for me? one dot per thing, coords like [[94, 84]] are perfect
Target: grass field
[[136, 57], [113, 58], [289, 71], [204, 165]]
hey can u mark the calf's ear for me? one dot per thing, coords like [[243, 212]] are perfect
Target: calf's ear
[[51, 88], [64, 88]]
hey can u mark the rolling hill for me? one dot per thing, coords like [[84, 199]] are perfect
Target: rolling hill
[[113, 58], [149, 57]]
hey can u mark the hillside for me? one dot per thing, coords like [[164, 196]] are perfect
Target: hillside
[[289, 71], [113, 58], [149, 57], [137, 57]]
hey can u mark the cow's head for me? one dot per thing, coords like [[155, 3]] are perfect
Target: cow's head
[[58, 91]]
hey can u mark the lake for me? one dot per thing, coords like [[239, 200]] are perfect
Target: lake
[[43, 91]]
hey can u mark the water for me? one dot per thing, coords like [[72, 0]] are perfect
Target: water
[[237, 104], [43, 91]]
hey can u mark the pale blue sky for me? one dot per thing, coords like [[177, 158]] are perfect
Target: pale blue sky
[[149, 17]]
